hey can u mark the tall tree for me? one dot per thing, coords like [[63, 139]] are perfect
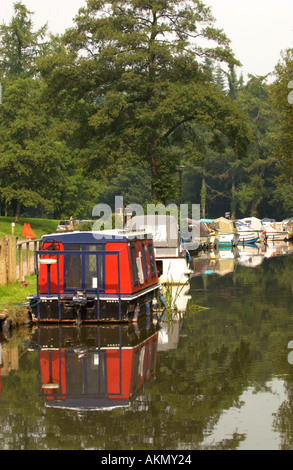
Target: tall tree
[[281, 93], [260, 169], [19, 44], [32, 154], [138, 79]]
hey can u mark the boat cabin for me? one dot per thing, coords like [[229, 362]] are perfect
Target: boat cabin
[[94, 276]]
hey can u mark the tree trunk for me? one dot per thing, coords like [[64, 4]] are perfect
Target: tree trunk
[[17, 212], [233, 199], [203, 197], [154, 179]]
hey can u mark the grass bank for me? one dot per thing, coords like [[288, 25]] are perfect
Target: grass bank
[[13, 299], [40, 227]]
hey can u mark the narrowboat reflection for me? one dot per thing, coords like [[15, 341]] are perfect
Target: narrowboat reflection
[[94, 367]]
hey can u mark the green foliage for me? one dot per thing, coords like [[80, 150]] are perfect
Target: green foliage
[[132, 90], [282, 99], [142, 84]]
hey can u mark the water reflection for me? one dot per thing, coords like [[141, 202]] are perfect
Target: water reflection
[[224, 260], [94, 367], [222, 377]]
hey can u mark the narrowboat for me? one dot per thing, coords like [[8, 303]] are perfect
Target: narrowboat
[[94, 367], [95, 276]]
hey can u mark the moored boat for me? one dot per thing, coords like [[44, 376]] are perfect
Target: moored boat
[[287, 225], [273, 233], [94, 276], [227, 231], [170, 255], [255, 224], [203, 237], [246, 235]]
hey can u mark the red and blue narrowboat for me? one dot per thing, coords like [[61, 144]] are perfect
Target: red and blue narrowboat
[[94, 276], [94, 367]]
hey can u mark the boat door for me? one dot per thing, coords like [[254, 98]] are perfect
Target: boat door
[[84, 266]]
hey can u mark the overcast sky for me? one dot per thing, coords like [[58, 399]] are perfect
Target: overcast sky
[[258, 29]]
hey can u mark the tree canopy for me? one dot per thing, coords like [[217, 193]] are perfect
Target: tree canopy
[[133, 89]]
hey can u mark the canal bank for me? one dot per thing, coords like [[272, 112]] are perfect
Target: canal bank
[[13, 301]]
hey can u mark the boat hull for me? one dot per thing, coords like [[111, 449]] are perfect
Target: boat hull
[[48, 309], [228, 239], [277, 236], [173, 270], [248, 237]]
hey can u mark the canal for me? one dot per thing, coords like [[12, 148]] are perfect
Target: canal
[[219, 378]]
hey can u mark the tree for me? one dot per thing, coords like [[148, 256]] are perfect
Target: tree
[[136, 72], [34, 153], [281, 96], [20, 46], [259, 170]]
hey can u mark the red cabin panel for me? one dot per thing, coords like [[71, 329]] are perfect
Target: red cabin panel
[[111, 269], [43, 272]]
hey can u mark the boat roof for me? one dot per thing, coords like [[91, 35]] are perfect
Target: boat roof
[[224, 224], [207, 221], [98, 236]]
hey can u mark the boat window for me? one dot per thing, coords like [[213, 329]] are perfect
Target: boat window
[[152, 259], [92, 271], [81, 269], [73, 268], [145, 269], [133, 264]]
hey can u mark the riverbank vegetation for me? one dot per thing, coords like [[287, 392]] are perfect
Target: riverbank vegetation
[[13, 299], [117, 102]]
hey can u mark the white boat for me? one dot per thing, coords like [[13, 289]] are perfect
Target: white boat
[[255, 224], [273, 234], [246, 234], [287, 224], [170, 255]]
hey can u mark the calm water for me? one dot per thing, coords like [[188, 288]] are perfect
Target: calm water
[[222, 377]]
